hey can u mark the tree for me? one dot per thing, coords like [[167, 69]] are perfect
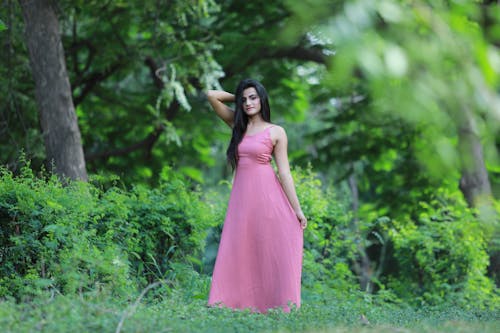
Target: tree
[[53, 92]]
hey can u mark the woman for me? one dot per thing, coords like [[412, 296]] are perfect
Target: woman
[[259, 261]]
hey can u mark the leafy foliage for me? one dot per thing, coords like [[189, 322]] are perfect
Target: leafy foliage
[[408, 91], [435, 253], [80, 238], [327, 252], [138, 72], [441, 253], [393, 103]]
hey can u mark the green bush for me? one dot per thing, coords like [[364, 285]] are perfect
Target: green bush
[[79, 238], [441, 254], [44, 241], [83, 238], [328, 246], [159, 225]]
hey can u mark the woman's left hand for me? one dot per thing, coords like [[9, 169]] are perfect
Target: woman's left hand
[[302, 220]]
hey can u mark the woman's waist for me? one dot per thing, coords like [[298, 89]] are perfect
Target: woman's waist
[[252, 164], [264, 159]]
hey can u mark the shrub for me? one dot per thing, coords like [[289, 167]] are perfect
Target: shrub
[[157, 226], [441, 254], [328, 246], [44, 242], [81, 238]]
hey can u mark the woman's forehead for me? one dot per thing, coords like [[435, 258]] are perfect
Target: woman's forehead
[[249, 91]]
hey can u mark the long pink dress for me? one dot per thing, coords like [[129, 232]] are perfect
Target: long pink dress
[[259, 261]]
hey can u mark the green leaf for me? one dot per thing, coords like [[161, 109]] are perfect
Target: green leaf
[[193, 173]]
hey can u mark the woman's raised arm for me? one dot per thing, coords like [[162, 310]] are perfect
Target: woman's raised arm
[[217, 98]]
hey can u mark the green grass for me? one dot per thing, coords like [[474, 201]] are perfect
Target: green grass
[[180, 313]]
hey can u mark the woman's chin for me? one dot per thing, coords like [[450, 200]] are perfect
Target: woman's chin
[[252, 113]]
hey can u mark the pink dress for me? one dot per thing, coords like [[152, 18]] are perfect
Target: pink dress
[[259, 261]]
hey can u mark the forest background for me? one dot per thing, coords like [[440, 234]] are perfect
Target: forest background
[[114, 176]]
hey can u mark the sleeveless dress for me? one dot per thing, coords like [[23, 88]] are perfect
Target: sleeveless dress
[[259, 260]]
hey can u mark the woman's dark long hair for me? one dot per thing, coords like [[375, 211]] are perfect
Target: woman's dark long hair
[[241, 118]]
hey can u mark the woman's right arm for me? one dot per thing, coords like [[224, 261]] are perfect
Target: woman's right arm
[[217, 98]]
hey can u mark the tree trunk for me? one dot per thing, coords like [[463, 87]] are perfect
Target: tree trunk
[[52, 90], [363, 265], [474, 183], [476, 186]]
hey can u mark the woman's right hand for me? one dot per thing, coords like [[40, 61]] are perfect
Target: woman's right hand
[[302, 220], [217, 98]]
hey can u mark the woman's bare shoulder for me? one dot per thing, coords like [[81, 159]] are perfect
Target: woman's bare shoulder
[[277, 129], [277, 133]]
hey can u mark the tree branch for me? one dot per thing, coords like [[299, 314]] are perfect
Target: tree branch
[[314, 54], [147, 142], [299, 52], [153, 68], [93, 80]]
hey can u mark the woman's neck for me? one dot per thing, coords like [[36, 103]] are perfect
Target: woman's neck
[[255, 121]]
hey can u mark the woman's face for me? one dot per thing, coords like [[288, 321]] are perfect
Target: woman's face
[[251, 101]]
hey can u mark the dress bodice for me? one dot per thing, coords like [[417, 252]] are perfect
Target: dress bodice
[[256, 148]]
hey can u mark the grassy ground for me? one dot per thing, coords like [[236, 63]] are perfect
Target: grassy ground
[[178, 313]]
